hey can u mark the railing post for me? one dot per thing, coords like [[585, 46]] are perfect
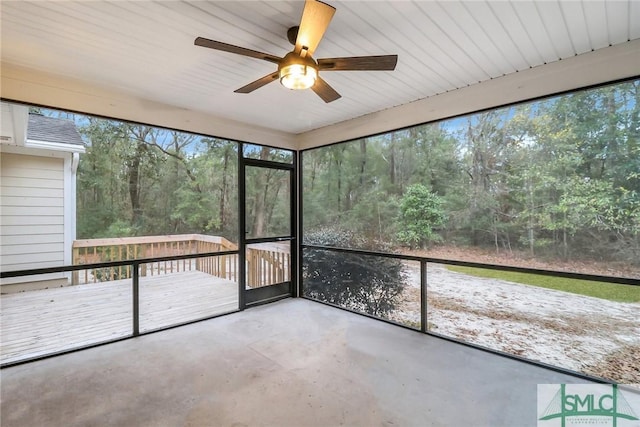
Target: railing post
[[75, 275], [142, 253], [250, 271], [136, 299], [423, 296], [198, 250]]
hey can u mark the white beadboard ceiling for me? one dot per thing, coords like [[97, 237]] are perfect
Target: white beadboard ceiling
[[145, 48]]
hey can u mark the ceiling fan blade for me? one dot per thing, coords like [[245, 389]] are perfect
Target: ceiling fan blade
[[324, 91], [212, 44], [316, 17], [258, 83], [353, 63]]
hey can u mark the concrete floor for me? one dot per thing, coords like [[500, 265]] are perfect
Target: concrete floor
[[290, 363]]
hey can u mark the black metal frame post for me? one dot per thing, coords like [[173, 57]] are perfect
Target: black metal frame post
[[293, 227], [242, 228], [300, 237], [423, 296], [136, 298]]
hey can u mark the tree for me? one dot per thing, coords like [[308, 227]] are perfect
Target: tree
[[421, 213], [268, 196], [364, 283], [102, 181]]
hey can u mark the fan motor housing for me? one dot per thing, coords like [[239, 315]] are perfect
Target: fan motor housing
[[292, 34]]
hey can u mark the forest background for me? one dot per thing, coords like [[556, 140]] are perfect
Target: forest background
[[555, 179]]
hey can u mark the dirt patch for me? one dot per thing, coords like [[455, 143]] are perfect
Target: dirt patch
[[622, 365], [576, 332], [522, 259]]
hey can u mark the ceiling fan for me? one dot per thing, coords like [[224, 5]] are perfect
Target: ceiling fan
[[297, 69]]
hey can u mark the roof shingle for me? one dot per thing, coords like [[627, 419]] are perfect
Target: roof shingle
[[49, 129]]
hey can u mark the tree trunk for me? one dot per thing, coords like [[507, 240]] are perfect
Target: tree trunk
[[530, 232], [495, 235], [134, 185], [392, 159], [259, 215], [223, 189], [363, 160], [261, 183], [274, 197]]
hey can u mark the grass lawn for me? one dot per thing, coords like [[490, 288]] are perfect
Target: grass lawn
[[610, 291]]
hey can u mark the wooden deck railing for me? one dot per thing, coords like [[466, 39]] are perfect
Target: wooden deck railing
[[266, 264]]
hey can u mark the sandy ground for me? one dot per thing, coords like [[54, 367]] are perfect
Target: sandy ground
[[577, 332]]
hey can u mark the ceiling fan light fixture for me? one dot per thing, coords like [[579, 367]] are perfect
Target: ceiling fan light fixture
[[297, 72], [298, 76]]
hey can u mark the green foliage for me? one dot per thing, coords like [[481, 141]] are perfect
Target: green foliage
[[358, 184], [195, 211], [608, 291], [421, 213], [368, 284], [141, 180], [558, 177], [118, 229]]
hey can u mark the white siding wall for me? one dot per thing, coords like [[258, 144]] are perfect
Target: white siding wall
[[31, 212]]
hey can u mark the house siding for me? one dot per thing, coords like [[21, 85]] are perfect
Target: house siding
[[31, 212]]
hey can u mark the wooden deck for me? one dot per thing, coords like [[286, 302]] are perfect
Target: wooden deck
[[45, 321]]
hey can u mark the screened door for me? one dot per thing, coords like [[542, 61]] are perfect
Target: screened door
[[268, 241]]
